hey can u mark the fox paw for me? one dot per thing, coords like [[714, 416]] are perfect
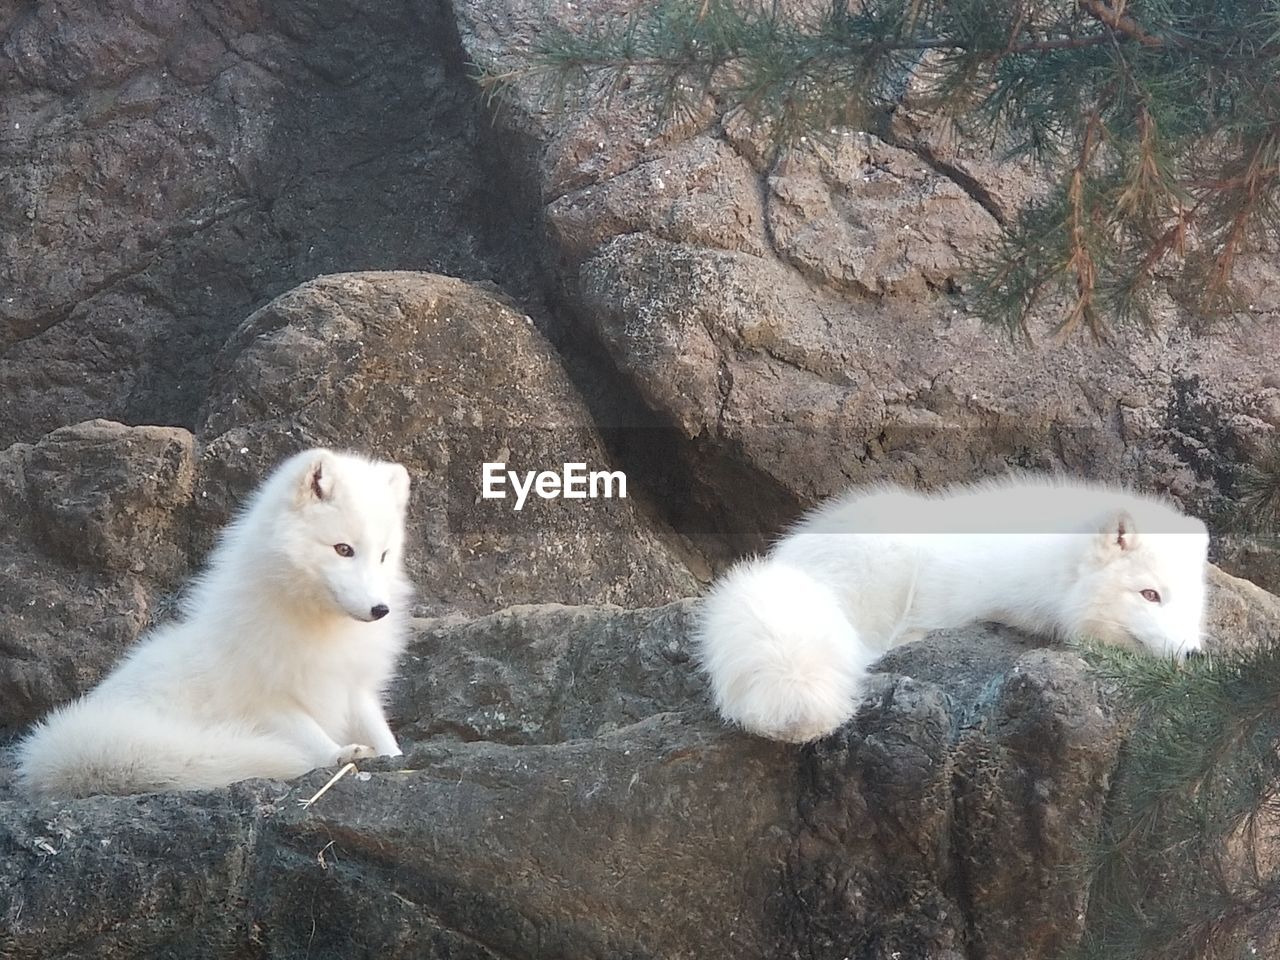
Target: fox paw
[[354, 751]]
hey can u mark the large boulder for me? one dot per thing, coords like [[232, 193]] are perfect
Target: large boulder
[[436, 373], [443, 377], [619, 820]]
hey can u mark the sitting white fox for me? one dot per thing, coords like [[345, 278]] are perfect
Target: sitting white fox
[[279, 661], [786, 639]]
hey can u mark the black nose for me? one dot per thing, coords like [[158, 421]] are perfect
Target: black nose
[[380, 611], [1193, 654]]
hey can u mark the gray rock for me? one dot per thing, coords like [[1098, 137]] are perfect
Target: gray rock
[[827, 209], [100, 514], [610, 816], [802, 323], [567, 791], [441, 376], [112, 498], [547, 673], [171, 166], [432, 372]]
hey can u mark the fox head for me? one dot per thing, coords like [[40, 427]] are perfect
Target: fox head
[[1144, 587], [342, 532]]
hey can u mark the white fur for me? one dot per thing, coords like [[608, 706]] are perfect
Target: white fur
[[786, 639], [278, 664]]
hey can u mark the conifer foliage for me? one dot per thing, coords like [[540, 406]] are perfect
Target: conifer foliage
[[1188, 867], [1159, 118]]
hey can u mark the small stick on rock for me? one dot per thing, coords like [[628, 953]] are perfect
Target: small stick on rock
[[325, 789]]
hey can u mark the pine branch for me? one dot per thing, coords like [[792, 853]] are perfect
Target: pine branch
[[1176, 873], [1120, 22], [1082, 263], [1174, 178], [1257, 494]]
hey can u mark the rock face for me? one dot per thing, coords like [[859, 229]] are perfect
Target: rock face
[[170, 167], [776, 327], [801, 323], [611, 816], [824, 364], [793, 324], [94, 538], [567, 791]]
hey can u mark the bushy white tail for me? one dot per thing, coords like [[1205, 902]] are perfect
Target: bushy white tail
[[87, 748], [783, 659]]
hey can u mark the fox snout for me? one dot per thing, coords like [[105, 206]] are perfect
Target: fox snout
[[368, 614], [366, 599], [365, 606]]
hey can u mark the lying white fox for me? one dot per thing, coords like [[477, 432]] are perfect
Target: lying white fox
[[786, 639]]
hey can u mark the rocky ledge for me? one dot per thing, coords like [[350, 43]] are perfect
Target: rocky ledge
[[566, 792]]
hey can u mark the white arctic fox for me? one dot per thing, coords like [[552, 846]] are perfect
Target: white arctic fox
[[786, 639], [279, 662]]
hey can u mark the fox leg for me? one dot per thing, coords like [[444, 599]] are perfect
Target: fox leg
[[369, 723], [301, 729]]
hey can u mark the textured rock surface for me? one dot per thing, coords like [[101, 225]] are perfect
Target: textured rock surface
[[170, 166], [788, 326], [812, 388], [94, 536], [546, 673], [795, 324], [800, 322], [608, 817], [426, 370], [443, 377]]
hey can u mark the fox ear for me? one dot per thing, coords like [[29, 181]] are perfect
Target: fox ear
[[1118, 532], [317, 479], [399, 480]]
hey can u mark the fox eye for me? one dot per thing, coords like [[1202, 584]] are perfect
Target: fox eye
[[344, 550], [384, 557], [1151, 595]]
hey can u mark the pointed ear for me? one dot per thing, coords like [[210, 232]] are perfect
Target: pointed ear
[[399, 480], [1118, 532], [317, 480]]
